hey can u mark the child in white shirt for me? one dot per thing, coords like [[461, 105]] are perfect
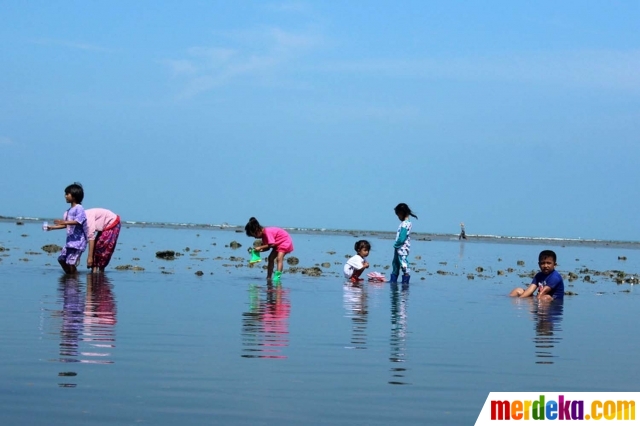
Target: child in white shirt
[[356, 265]]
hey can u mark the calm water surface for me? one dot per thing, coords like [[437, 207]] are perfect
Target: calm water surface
[[166, 346]]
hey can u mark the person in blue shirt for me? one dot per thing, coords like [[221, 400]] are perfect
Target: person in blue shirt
[[402, 244], [548, 281]]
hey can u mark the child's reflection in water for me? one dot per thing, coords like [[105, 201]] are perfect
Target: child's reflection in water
[[85, 318], [398, 340], [355, 305], [547, 319], [72, 317], [71, 314], [99, 317], [265, 327]]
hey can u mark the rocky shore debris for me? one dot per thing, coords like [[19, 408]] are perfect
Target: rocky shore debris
[[51, 248], [129, 268], [331, 265], [326, 268], [166, 254], [314, 271]]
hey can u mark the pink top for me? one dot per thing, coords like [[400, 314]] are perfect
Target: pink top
[[98, 220], [278, 237]]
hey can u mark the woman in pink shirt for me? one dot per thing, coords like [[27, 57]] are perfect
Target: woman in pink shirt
[[103, 229], [276, 239]]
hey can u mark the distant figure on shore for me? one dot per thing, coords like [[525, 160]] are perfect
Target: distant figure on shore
[[356, 264], [463, 234], [548, 281], [276, 239], [402, 245], [102, 229], [74, 221]]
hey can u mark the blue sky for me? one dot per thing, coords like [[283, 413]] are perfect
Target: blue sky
[[518, 118]]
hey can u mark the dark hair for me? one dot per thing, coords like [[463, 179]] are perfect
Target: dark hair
[[547, 253], [76, 191], [253, 227], [362, 244], [404, 210]]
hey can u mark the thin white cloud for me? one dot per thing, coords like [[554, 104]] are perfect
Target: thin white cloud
[[259, 54], [596, 69], [215, 54], [364, 111], [299, 8], [289, 6], [181, 67], [5, 141], [288, 40], [72, 45]]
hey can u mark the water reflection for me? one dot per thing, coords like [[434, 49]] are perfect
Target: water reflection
[[355, 306], [547, 318], [265, 326], [99, 318], [398, 340], [87, 321], [72, 317]]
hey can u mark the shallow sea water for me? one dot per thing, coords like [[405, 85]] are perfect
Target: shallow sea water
[[165, 346]]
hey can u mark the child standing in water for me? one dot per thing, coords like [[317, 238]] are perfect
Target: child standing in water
[[356, 265], [276, 239], [402, 244], [74, 221]]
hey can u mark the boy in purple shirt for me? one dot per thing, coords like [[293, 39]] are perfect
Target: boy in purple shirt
[[548, 281], [73, 221]]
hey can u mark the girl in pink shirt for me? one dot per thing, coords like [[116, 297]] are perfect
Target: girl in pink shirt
[[103, 229], [276, 239]]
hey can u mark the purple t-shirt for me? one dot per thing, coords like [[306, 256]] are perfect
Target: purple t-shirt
[[76, 237], [278, 237], [553, 280]]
